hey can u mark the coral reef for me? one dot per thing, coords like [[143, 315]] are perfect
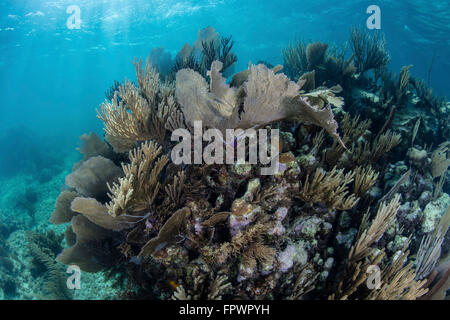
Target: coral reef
[[342, 206], [369, 51]]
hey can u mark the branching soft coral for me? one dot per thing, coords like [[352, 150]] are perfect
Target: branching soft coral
[[137, 190], [248, 243], [365, 178], [364, 152], [141, 112], [202, 285], [294, 59], [329, 188], [218, 51], [370, 51], [352, 129], [175, 190], [369, 234], [397, 279]]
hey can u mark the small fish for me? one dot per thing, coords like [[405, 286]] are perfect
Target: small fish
[[173, 284]]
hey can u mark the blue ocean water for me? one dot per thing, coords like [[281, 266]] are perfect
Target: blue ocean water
[[53, 78]]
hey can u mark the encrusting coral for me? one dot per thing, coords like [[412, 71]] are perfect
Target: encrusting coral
[[341, 205]]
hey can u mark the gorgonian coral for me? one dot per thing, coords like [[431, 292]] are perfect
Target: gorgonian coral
[[265, 98], [310, 230]]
